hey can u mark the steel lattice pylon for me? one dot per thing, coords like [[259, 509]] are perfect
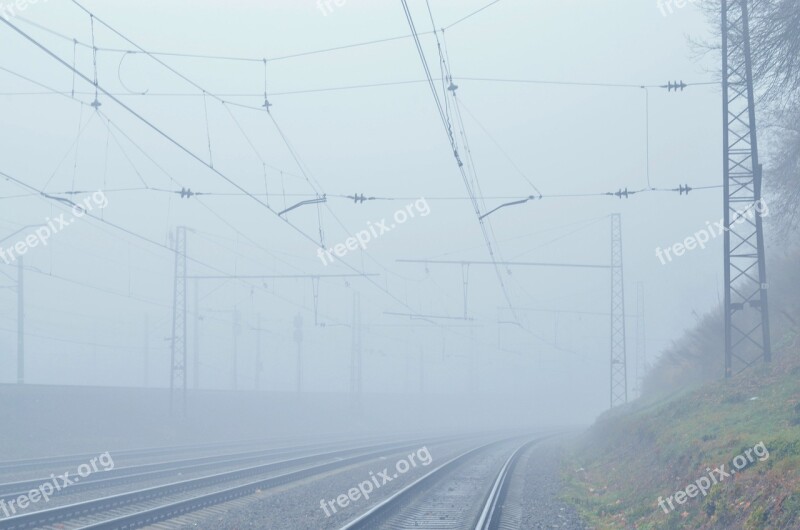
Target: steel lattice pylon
[[178, 369], [746, 309], [619, 363]]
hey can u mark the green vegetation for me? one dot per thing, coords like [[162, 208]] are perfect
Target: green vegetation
[[688, 420], [627, 461]]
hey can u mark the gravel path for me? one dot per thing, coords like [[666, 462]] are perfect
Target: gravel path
[[538, 478]]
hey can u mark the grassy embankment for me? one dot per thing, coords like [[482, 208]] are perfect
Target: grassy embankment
[[631, 458]]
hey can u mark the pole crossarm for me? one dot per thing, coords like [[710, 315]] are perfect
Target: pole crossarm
[[506, 263], [278, 276], [424, 316]]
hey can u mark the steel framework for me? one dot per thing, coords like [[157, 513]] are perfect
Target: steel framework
[[747, 338], [619, 362], [178, 372]]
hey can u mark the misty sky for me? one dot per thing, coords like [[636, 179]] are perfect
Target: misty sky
[[91, 289]]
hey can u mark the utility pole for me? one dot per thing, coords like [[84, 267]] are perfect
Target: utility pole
[[236, 330], [355, 352], [20, 321], [747, 335], [20, 308], [619, 363], [421, 371], [196, 338], [298, 338], [473, 380], [178, 342], [146, 347], [641, 338], [259, 366]]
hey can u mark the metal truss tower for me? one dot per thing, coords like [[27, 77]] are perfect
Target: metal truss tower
[[178, 368], [747, 337], [619, 363]]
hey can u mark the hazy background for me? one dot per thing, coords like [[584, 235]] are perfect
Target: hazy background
[[90, 291]]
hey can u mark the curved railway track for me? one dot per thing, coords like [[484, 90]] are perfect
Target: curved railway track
[[424, 504]]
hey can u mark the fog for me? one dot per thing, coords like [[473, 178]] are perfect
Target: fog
[[552, 103]]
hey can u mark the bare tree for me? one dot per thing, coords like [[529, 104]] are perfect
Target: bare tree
[[782, 177], [775, 44]]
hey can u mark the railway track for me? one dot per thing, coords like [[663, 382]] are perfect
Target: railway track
[[493, 512], [425, 503], [10, 466], [120, 476], [150, 453], [150, 505]]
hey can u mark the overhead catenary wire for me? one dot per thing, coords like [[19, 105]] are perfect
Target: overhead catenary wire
[[174, 141], [387, 198], [449, 131], [104, 221], [157, 129], [256, 59], [189, 193], [352, 87]]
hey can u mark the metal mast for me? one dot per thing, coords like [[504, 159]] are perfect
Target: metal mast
[[746, 307], [235, 359], [355, 354], [298, 338], [641, 339], [179, 343], [20, 322], [196, 337], [619, 363], [259, 364]]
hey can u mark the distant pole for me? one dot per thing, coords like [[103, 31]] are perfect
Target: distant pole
[[421, 372], [298, 338], [146, 346], [235, 348], [641, 340], [473, 381], [20, 322], [196, 338], [20, 310], [355, 352], [259, 367], [408, 373]]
